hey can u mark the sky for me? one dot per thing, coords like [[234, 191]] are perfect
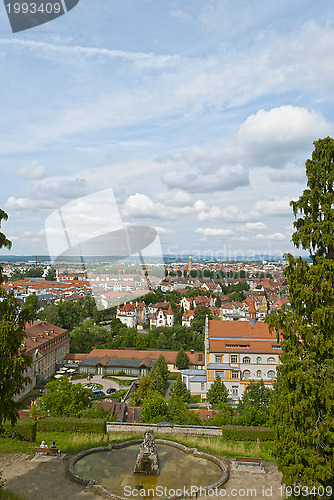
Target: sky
[[197, 116]]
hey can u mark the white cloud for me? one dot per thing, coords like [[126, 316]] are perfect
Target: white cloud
[[272, 137], [279, 206], [32, 170], [214, 231], [253, 226], [140, 205], [28, 204], [273, 236], [163, 230], [225, 179]]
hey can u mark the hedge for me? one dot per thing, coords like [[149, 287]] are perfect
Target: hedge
[[238, 433], [78, 425], [25, 429]]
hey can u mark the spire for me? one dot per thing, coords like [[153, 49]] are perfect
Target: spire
[[252, 313]]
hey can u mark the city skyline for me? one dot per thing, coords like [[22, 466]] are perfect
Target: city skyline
[[199, 117]]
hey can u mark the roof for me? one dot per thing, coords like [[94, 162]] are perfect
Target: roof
[[221, 366], [170, 356]]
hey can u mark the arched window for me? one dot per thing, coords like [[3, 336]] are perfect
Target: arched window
[[246, 375], [246, 359], [259, 359], [271, 374], [259, 374], [271, 361]]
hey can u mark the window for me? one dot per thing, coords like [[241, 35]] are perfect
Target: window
[[235, 374], [219, 359], [237, 345], [246, 360], [271, 374], [200, 357], [234, 358], [202, 386], [271, 361], [246, 375], [234, 391], [259, 359], [220, 373], [259, 374]]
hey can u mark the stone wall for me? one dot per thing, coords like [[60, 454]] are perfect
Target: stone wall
[[164, 428]]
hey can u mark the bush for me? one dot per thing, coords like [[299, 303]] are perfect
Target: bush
[[235, 433], [25, 429], [79, 425]]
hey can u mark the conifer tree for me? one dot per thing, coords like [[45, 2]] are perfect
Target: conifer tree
[[303, 397], [13, 360], [217, 394], [182, 360]]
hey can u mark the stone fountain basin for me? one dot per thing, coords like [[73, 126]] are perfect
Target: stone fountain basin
[[93, 485]]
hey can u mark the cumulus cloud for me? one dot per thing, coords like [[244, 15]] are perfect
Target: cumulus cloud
[[270, 138], [141, 205], [273, 236], [14, 203], [279, 206], [214, 231], [253, 226], [225, 179], [32, 170]]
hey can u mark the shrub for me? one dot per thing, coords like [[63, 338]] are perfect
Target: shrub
[[25, 429], [235, 433], [78, 425]]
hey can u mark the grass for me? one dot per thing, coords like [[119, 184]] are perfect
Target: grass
[[8, 495], [71, 443]]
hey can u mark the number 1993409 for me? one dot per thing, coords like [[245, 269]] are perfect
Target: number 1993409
[[33, 8]]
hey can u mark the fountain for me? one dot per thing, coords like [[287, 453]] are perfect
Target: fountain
[[148, 468], [147, 458]]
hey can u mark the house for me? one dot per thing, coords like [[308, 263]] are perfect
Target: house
[[127, 315], [48, 345], [187, 317], [132, 362], [239, 352], [186, 303], [162, 318]]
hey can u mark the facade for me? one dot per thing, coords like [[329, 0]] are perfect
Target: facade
[[48, 345], [240, 353], [127, 315], [162, 318], [132, 362]]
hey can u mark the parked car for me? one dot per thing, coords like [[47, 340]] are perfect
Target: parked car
[[98, 394], [110, 390]]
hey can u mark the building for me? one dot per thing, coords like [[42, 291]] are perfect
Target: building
[[132, 362], [48, 345], [127, 315], [239, 352], [162, 318]]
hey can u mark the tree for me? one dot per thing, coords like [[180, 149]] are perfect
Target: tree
[[64, 399], [31, 305], [4, 242], [13, 359], [51, 274], [303, 398], [200, 314], [253, 409], [180, 390], [217, 393], [154, 409], [161, 366], [182, 360]]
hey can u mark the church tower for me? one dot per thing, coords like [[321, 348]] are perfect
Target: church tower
[[190, 265], [252, 313]]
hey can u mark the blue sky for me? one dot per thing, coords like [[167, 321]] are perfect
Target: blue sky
[[198, 115]]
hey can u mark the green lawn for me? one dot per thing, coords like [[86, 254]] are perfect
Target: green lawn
[[72, 443]]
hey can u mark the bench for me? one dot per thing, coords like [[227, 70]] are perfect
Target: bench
[[47, 451], [248, 461]]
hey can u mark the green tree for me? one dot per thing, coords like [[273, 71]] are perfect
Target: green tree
[[303, 398], [154, 409], [143, 392], [157, 381], [4, 242], [180, 390], [161, 366], [64, 399], [198, 321], [178, 412], [31, 305], [51, 274], [182, 360], [217, 393], [254, 406], [13, 359]]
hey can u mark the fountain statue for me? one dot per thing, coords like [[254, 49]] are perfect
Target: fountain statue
[[147, 458]]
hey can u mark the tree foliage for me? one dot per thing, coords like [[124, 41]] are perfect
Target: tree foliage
[[254, 407], [180, 390], [303, 398], [64, 399], [182, 360], [154, 409], [13, 359], [217, 393]]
